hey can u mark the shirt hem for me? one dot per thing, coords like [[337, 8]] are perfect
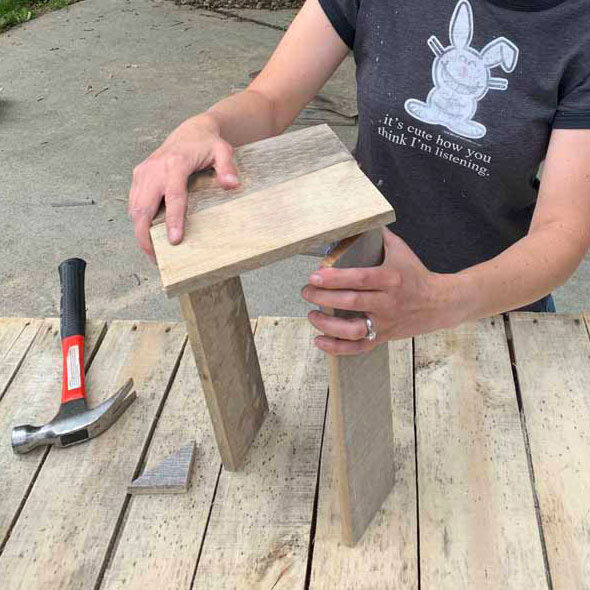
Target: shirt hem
[[571, 120]]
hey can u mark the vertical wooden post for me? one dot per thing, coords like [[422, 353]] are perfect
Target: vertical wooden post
[[221, 338], [360, 409]]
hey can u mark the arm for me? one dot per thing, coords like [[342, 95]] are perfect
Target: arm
[[306, 57], [404, 299], [558, 238]]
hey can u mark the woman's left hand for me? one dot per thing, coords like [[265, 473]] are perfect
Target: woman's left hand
[[401, 297]]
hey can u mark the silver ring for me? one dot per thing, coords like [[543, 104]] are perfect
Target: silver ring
[[371, 333]]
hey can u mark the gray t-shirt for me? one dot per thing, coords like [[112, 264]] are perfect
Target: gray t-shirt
[[456, 102]]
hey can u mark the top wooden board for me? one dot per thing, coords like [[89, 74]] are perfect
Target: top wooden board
[[298, 190]]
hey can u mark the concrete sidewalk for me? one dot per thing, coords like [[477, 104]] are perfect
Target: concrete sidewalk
[[90, 91]]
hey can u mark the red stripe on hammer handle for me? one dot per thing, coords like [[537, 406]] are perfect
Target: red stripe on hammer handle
[[73, 385]]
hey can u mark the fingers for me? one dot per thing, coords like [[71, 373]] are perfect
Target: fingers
[[337, 347], [223, 162], [358, 279], [142, 225], [143, 206], [176, 202], [344, 329], [341, 299]]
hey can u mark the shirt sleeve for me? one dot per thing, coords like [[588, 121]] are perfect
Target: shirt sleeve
[[573, 111], [342, 16]]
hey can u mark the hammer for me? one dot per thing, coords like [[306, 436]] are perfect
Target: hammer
[[75, 422]]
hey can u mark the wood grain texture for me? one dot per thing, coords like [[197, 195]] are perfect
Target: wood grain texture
[[387, 555], [269, 225], [262, 164], [552, 354], [221, 338], [360, 406], [170, 476], [258, 534], [160, 541], [33, 397], [477, 517], [64, 530], [16, 335]]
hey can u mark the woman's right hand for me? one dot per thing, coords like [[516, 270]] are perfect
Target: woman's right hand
[[194, 145]]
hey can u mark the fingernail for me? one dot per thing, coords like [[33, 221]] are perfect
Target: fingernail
[[230, 178], [175, 235], [315, 279], [305, 292]]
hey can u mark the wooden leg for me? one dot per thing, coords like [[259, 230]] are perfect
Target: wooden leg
[[219, 331], [360, 406]]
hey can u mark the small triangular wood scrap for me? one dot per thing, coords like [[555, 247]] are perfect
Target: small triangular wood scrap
[[170, 476]]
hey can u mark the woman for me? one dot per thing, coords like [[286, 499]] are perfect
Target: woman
[[458, 104]]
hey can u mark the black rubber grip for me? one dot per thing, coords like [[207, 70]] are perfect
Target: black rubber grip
[[73, 302]]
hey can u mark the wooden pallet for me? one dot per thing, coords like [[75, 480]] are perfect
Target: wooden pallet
[[484, 429]]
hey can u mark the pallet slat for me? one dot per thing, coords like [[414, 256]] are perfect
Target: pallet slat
[[33, 397], [258, 534], [160, 541], [63, 534], [16, 335], [477, 518], [552, 355], [387, 554]]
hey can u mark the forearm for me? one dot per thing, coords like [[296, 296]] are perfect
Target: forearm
[[242, 118], [522, 274]]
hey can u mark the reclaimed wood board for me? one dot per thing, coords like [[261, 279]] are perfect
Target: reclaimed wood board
[[268, 225], [360, 406], [65, 530], [159, 544], [33, 397], [265, 163], [387, 555], [476, 511], [16, 335], [170, 476], [258, 534], [552, 354], [221, 338]]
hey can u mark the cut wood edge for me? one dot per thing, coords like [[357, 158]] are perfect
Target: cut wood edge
[[207, 279], [171, 476]]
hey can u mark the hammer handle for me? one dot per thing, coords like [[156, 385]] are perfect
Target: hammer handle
[[73, 323], [73, 304]]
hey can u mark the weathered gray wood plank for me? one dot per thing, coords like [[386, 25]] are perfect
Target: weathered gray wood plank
[[477, 518], [221, 338], [160, 541], [387, 555], [552, 354], [266, 226], [264, 163], [360, 402], [170, 476], [258, 534], [16, 335]]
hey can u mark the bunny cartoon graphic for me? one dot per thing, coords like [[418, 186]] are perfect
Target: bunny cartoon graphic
[[461, 76]]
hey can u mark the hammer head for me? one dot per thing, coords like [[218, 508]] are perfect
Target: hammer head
[[74, 423]]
